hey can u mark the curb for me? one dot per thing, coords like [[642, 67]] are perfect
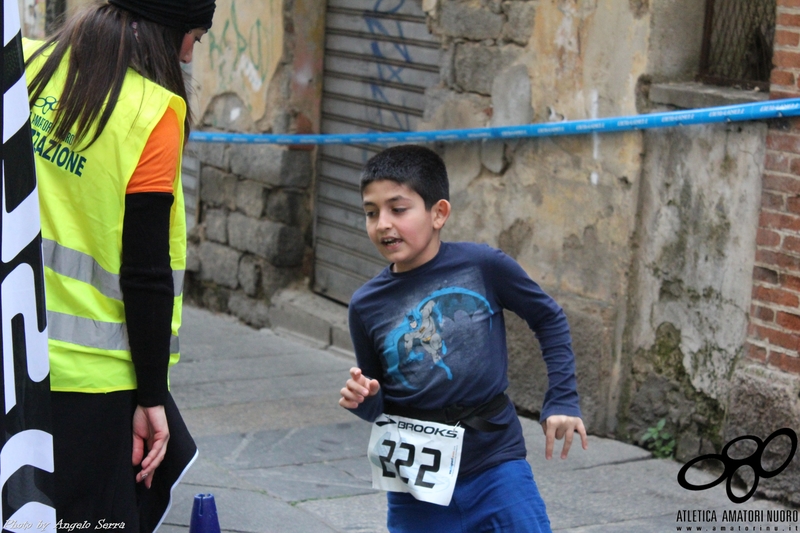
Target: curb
[[312, 320]]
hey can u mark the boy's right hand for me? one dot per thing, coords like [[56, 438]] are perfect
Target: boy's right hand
[[357, 388]]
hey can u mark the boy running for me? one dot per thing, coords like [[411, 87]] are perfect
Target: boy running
[[429, 338]]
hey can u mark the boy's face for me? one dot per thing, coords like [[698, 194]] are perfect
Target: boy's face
[[400, 227]]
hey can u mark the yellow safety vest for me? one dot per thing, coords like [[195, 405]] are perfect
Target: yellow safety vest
[[82, 199]]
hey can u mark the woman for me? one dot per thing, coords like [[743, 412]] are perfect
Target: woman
[[109, 121]]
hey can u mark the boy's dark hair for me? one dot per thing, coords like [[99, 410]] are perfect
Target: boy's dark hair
[[416, 167]]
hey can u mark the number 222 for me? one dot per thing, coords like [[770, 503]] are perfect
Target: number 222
[[409, 460]]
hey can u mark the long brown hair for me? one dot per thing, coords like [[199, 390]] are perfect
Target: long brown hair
[[103, 41]]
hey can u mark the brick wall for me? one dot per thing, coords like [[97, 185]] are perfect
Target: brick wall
[[774, 331]]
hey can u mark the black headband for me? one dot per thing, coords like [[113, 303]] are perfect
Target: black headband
[[184, 14]]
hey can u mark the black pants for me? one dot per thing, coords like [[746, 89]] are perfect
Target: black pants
[[93, 443], [95, 481]]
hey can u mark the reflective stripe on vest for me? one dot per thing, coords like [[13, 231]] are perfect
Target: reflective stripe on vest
[[82, 267], [93, 333]]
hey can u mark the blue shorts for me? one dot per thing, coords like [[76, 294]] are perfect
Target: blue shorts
[[502, 498]]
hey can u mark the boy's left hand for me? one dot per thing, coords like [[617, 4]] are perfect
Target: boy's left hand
[[562, 427]]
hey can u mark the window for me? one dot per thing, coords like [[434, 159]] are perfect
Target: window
[[737, 43], [55, 11]]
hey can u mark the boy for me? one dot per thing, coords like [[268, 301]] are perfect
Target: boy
[[429, 338]]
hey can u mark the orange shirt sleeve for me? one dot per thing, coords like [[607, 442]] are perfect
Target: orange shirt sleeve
[[159, 161]]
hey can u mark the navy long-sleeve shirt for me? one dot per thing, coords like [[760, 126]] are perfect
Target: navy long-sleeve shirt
[[435, 336]]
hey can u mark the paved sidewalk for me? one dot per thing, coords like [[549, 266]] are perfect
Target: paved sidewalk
[[280, 455]]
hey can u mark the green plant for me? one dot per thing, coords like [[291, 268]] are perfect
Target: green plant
[[658, 440]]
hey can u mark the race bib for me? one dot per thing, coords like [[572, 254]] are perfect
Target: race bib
[[422, 458]]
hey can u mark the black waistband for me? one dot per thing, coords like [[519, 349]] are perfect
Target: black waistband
[[476, 417]]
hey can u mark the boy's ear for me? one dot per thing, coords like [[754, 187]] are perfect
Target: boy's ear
[[440, 212]]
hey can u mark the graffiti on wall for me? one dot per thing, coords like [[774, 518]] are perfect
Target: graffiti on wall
[[388, 72], [243, 49]]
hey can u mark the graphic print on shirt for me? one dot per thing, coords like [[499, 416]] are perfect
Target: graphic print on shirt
[[425, 332]]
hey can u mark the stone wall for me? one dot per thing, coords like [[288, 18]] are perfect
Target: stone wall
[[689, 289], [563, 207], [648, 240], [253, 238], [259, 72], [241, 55], [673, 252]]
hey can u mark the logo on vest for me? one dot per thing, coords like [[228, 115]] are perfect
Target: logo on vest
[[50, 149], [48, 103]]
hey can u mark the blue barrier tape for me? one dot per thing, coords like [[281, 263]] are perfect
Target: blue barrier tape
[[733, 113]]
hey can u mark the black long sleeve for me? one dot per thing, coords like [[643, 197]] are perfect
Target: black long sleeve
[[147, 291]]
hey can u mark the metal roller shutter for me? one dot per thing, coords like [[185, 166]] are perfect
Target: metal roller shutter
[[379, 59], [190, 175]]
